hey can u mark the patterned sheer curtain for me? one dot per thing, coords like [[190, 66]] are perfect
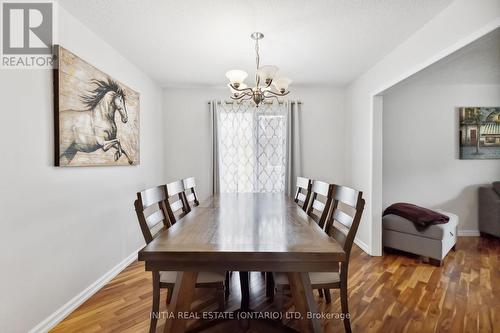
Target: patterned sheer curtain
[[253, 146]]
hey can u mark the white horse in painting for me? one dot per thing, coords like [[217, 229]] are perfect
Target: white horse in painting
[[94, 128]]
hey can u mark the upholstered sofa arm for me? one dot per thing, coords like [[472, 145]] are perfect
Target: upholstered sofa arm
[[489, 211]]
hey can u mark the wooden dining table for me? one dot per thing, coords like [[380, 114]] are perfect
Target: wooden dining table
[[266, 232]]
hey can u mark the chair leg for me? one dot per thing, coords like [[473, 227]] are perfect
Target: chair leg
[[279, 299], [328, 297], [227, 284], [221, 297], [269, 286], [155, 310], [343, 302], [245, 290], [170, 294]]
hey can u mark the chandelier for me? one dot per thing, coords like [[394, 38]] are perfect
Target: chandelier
[[265, 76]]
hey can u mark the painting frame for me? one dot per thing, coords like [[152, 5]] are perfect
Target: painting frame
[[96, 118], [479, 132]]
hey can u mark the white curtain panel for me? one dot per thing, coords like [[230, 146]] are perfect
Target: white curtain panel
[[294, 146], [215, 165], [254, 148]]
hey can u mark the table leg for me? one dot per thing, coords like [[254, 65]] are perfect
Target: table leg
[[245, 291], [181, 302], [303, 300]]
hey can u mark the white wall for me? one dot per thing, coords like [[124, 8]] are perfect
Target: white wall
[[187, 126], [459, 24], [322, 119], [188, 133], [420, 155], [64, 228]]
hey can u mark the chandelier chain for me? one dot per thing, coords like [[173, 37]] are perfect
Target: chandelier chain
[[257, 60], [257, 57]]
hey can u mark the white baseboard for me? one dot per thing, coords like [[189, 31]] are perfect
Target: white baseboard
[[362, 245], [61, 313], [468, 233]]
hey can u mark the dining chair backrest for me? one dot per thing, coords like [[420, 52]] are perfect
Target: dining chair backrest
[[321, 198], [176, 201], [345, 216], [151, 209], [303, 192], [191, 197]]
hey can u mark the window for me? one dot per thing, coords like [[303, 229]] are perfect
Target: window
[[252, 147]]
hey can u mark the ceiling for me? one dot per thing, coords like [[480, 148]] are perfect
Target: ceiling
[[475, 64], [194, 42]]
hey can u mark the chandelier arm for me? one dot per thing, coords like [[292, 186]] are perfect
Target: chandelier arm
[[240, 96], [237, 98], [277, 94], [243, 97], [269, 97], [242, 90]]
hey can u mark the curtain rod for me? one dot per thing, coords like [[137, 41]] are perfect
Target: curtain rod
[[271, 102]]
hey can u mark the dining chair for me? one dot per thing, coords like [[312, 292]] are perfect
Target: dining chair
[[303, 185], [315, 203], [191, 198], [342, 224], [177, 205], [320, 201], [152, 213]]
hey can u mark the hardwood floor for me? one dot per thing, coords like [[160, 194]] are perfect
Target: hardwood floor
[[393, 293]]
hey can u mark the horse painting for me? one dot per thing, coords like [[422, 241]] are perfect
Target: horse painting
[[95, 128], [88, 132]]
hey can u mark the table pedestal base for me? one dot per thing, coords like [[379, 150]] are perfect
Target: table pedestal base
[[301, 293]]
